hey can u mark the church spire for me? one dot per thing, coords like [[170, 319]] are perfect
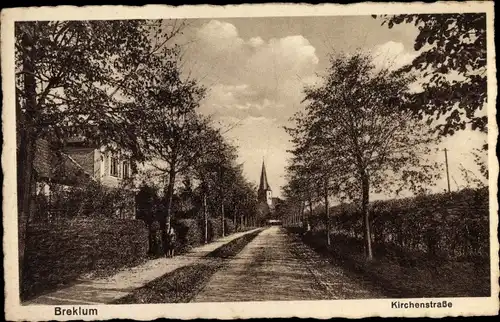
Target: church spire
[[264, 185]]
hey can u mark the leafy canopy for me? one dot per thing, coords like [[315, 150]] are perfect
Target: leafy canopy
[[452, 58]]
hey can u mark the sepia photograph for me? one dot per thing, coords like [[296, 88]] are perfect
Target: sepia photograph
[[250, 163]]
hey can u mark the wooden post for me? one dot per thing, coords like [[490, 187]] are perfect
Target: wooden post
[[222, 199], [205, 216], [447, 172], [327, 214]]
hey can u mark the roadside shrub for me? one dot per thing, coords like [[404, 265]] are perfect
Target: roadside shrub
[[189, 234], [214, 228], [59, 253], [89, 200], [229, 227]]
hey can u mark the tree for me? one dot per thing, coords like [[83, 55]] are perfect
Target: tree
[[355, 119], [221, 178], [74, 77], [173, 134], [313, 168], [244, 200], [453, 58]]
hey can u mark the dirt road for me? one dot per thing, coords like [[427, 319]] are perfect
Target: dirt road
[[276, 266]]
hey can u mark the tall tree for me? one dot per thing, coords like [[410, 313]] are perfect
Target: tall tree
[[172, 135], [355, 117], [317, 172]]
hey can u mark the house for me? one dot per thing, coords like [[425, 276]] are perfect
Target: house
[[102, 164], [77, 163]]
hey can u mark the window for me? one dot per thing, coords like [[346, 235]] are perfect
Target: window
[[125, 170], [113, 170]]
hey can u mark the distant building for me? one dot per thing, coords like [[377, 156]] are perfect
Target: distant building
[[265, 194]]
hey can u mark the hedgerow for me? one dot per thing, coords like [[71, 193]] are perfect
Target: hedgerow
[[57, 253], [448, 225]]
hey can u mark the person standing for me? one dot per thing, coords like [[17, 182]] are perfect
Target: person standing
[[170, 241]]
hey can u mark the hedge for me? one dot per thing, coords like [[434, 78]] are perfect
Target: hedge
[[229, 227], [214, 228], [448, 225], [59, 253], [189, 234]]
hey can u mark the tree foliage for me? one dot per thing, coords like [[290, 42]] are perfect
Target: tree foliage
[[221, 179], [452, 57], [86, 76]]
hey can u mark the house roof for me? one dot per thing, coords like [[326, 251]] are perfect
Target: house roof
[[58, 167], [72, 167]]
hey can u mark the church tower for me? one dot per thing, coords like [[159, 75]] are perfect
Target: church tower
[[264, 193]]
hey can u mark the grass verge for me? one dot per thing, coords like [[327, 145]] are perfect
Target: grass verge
[[401, 277], [182, 285]]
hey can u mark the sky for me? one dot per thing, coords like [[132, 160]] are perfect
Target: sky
[[255, 70]]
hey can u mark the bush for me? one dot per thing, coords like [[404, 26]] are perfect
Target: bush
[[214, 228], [91, 200], [229, 227], [189, 234], [59, 253], [403, 274]]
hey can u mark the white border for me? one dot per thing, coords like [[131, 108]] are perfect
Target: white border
[[315, 309]]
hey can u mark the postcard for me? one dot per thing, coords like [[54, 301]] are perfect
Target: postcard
[[250, 161]]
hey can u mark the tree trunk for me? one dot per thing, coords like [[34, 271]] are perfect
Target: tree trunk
[[366, 216], [222, 201], [310, 208], [205, 216], [26, 149], [327, 215], [170, 195], [166, 222], [303, 214], [222, 219]]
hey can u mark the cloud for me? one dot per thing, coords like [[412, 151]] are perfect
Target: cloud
[[217, 33], [392, 55], [255, 85], [268, 71], [255, 42]]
